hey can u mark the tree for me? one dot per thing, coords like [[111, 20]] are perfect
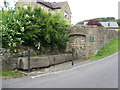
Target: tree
[[94, 22]]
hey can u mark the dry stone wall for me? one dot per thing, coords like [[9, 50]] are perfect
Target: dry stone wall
[[87, 40]]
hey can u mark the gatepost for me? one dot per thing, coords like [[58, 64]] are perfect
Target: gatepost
[[29, 59], [73, 56]]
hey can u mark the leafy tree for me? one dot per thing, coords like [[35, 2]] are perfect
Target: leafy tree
[[94, 22]]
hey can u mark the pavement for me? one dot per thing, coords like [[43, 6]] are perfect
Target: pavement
[[101, 73]]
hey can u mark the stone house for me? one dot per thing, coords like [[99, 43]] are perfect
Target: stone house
[[49, 7]]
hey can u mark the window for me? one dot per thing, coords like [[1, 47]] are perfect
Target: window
[[49, 10], [66, 15], [108, 24], [25, 6], [53, 11]]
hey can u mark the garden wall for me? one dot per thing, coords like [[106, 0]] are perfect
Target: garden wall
[[87, 40]]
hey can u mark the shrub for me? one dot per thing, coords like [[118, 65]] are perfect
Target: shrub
[[34, 28]]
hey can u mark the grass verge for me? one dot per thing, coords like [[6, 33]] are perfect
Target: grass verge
[[10, 74], [110, 48]]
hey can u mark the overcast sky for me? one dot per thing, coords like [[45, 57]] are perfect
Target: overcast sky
[[88, 9]]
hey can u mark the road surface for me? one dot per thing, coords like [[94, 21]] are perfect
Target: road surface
[[93, 74]]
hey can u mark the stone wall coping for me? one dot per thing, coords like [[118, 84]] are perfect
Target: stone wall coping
[[43, 56]]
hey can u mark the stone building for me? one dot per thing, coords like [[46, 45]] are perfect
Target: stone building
[[49, 7]]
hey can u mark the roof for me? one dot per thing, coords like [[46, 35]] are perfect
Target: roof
[[52, 5], [107, 24]]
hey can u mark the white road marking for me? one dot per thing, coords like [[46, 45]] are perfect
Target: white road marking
[[74, 67]]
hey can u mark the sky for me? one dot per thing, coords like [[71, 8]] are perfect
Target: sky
[[87, 9]]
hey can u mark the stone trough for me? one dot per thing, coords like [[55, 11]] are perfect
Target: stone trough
[[41, 62]]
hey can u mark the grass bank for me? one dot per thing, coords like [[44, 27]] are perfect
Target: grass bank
[[110, 48]]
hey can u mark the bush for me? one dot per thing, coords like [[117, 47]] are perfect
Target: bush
[[34, 28]]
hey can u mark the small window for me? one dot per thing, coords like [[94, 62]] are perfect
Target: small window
[[25, 6], [66, 15]]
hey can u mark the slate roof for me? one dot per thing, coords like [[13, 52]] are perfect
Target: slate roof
[[52, 5]]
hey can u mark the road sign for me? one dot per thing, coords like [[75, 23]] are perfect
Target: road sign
[[91, 39]]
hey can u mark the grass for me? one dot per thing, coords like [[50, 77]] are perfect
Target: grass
[[110, 48], [114, 29], [117, 29], [10, 74]]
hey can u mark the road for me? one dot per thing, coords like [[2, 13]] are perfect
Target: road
[[93, 74]]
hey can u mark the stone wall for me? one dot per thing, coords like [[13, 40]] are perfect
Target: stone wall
[[10, 61], [87, 40]]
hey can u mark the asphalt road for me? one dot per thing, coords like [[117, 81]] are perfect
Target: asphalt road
[[93, 74]]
